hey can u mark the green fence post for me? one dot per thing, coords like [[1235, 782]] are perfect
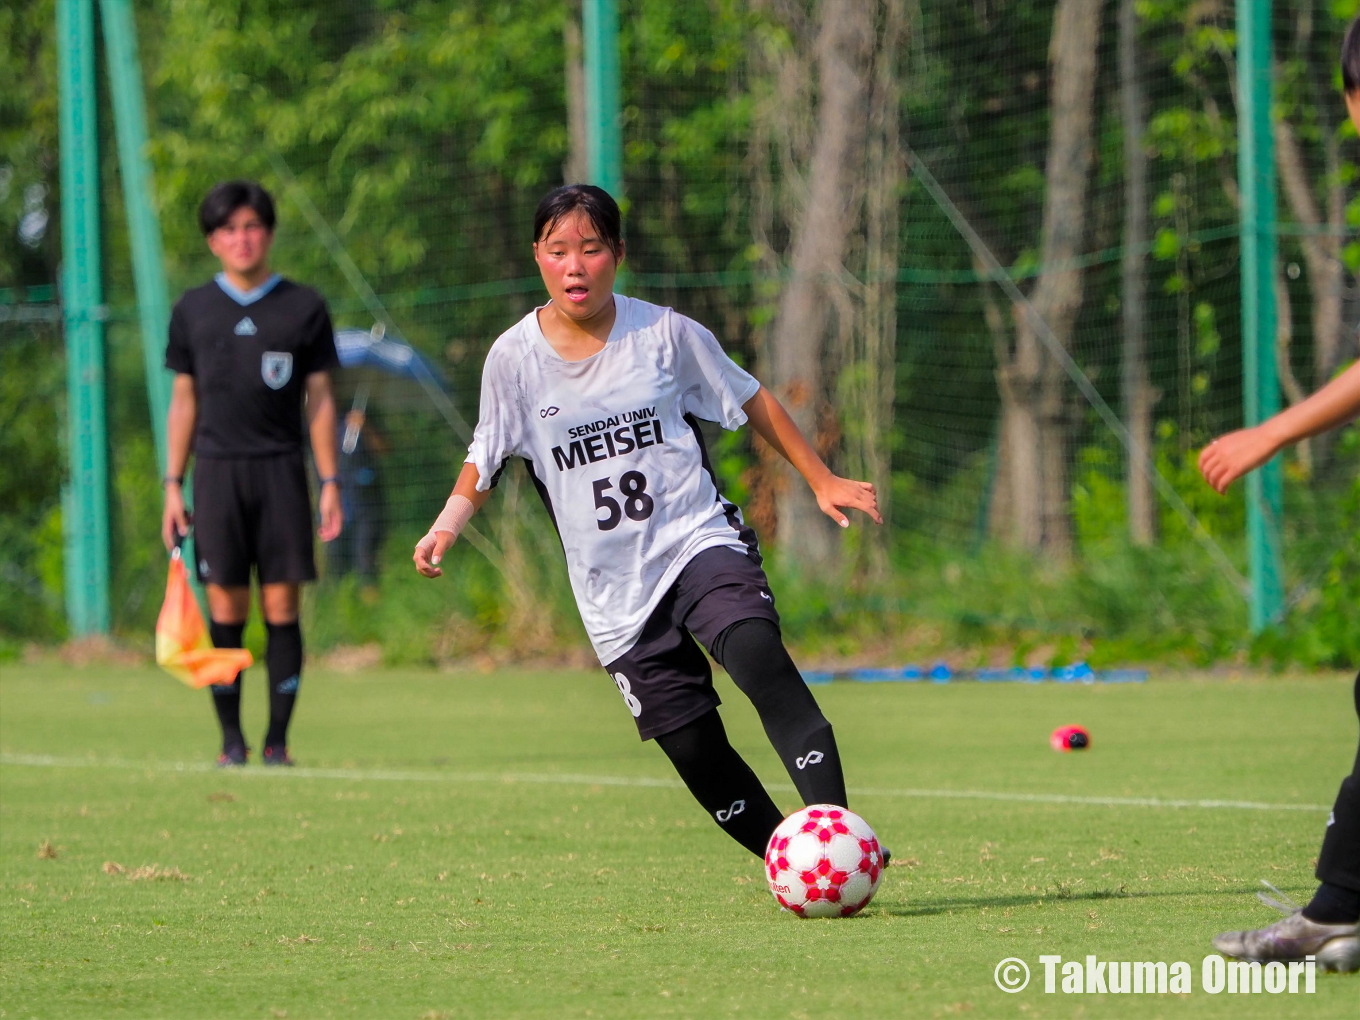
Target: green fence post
[[1260, 384], [604, 134], [85, 520], [144, 229]]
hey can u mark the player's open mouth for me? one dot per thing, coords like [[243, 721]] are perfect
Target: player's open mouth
[[578, 294]]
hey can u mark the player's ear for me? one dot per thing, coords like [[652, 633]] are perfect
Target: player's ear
[[618, 255]]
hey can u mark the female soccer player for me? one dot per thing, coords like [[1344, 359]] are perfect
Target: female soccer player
[[1328, 927], [599, 395]]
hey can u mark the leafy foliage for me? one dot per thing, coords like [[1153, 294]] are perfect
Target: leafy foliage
[[425, 132]]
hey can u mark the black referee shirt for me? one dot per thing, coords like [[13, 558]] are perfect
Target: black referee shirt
[[250, 356]]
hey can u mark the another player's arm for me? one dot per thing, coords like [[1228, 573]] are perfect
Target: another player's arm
[[179, 429], [321, 424], [1231, 456], [430, 549], [768, 417]]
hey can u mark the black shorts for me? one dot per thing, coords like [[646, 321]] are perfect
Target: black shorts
[[253, 511], [665, 678]]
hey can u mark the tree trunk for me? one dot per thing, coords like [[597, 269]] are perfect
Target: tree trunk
[[1321, 251], [844, 54], [1284, 368], [866, 387], [1135, 384], [575, 169], [1035, 409]]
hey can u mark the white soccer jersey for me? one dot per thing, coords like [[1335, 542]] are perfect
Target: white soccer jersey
[[623, 473]]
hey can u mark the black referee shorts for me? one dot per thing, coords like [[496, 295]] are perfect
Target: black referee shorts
[[665, 678], [253, 511]]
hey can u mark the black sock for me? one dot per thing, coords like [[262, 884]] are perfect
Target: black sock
[[753, 652], [227, 697], [1332, 904], [283, 656], [722, 782]]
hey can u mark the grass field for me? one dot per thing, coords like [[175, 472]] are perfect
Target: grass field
[[468, 845]]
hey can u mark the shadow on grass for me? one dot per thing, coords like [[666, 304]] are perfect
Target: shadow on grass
[[1048, 896]]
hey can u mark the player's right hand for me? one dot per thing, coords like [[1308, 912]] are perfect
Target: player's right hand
[[1231, 456], [430, 550], [174, 519]]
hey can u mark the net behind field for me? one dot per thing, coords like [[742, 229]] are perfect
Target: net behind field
[[423, 138]]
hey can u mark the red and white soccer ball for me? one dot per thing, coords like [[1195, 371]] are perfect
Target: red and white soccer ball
[[823, 861]]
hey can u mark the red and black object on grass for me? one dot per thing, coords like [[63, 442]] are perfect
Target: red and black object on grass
[[1070, 738]]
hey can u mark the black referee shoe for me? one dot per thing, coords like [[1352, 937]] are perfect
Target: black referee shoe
[[233, 757], [277, 756]]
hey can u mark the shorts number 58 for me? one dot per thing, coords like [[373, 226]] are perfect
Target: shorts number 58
[[636, 503]]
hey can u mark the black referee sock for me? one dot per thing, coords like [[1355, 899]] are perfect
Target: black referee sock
[[227, 697], [722, 782], [1332, 904], [283, 657], [753, 652]]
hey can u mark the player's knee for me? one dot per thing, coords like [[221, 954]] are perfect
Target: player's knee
[[696, 743], [754, 655]]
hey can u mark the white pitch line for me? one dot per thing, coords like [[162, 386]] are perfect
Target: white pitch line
[[580, 779]]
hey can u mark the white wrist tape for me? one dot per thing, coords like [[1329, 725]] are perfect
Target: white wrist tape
[[455, 515]]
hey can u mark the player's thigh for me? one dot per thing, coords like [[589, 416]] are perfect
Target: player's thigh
[[283, 539], [664, 679], [720, 587], [223, 523]]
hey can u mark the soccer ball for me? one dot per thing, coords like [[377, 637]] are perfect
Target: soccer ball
[[823, 861]]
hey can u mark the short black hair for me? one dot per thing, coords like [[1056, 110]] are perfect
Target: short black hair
[[599, 207], [1350, 58], [225, 198]]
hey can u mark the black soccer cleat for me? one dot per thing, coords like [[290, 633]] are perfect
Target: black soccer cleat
[[277, 757], [886, 854], [233, 756]]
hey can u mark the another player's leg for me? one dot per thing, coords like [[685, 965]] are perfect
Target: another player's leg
[[1329, 926], [226, 605], [283, 660], [753, 653], [721, 781]]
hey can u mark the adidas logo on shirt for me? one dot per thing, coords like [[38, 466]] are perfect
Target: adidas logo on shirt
[[245, 327]]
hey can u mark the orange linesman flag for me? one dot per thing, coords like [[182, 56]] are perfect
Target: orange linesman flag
[[183, 647]]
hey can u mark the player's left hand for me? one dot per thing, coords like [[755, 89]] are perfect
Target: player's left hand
[[332, 513], [837, 492]]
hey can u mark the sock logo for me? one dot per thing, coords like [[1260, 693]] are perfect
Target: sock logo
[[726, 814], [811, 758], [629, 698], [288, 686], [766, 596]]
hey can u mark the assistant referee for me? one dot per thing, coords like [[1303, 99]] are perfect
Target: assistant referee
[[251, 352]]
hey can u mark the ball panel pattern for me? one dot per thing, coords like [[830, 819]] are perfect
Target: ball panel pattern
[[823, 861]]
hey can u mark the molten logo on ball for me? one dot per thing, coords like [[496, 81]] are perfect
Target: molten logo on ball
[[823, 861]]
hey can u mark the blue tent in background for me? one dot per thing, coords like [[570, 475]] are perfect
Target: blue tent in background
[[362, 348]]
